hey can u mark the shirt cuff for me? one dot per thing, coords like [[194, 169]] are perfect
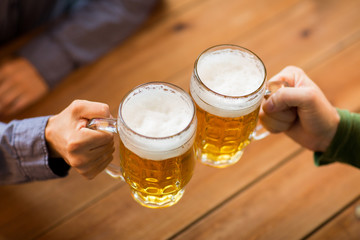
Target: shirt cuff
[[31, 149], [339, 145]]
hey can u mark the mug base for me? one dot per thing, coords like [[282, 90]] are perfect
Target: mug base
[[221, 161], [153, 201]]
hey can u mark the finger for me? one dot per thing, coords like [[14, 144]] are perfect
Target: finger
[[89, 110], [285, 75], [6, 85], [287, 98], [280, 77], [274, 125], [18, 104], [102, 150], [92, 139], [96, 164], [8, 99], [288, 115], [85, 160], [101, 162], [101, 147], [294, 76], [93, 157], [95, 170], [90, 144]]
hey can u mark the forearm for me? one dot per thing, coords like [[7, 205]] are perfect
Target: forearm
[[84, 35], [23, 151], [345, 147]]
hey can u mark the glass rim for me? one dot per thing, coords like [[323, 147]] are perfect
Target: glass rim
[[232, 46], [173, 86]]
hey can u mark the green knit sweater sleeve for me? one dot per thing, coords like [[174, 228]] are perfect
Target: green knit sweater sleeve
[[345, 147]]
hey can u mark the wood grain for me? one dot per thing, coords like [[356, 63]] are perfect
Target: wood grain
[[285, 205], [344, 225]]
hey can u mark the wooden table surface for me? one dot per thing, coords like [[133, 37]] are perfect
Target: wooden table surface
[[274, 192]]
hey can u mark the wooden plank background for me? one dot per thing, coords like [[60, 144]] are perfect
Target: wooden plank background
[[274, 192]]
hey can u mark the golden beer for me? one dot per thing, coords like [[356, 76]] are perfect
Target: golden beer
[[227, 86], [156, 182], [157, 128]]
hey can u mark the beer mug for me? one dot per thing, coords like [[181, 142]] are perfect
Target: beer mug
[[228, 86], [157, 125]]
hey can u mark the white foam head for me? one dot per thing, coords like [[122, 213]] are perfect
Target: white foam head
[[234, 77], [159, 116]]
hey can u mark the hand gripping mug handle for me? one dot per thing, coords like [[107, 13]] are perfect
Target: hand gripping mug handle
[[260, 132], [106, 125]]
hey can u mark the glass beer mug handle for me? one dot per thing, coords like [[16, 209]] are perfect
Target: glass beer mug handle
[[260, 132], [103, 124], [107, 125]]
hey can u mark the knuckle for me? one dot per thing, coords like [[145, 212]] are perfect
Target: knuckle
[[83, 172], [277, 98], [296, 72], [270, 128], [76, 105], [104, 110], [274, 131], [109, 138], [278, 128], [79, 105], [76, 162], [104, 138], [311, 94], [90, 176]]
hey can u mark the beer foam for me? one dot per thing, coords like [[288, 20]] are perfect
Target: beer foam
[[230, 72], [157, 111], [232, 75]]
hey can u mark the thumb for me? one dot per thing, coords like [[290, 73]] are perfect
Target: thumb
[[286, 98]]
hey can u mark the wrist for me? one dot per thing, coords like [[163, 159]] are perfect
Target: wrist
[[329, 135], [50, 139]]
